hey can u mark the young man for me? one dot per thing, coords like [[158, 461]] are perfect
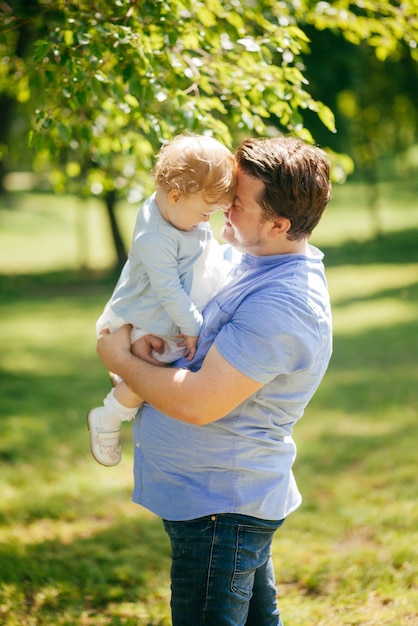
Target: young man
[[213, 443]]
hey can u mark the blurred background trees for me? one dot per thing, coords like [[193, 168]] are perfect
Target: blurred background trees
[[90, 90]]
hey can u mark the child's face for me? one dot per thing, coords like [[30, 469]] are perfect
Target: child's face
[[187, 212]]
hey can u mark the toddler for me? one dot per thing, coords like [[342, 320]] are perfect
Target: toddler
[[174, 267]]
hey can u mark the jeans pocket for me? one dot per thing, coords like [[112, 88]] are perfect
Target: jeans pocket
[[189, 537], [251, 552]]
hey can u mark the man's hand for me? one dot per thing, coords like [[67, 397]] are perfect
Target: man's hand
[[114, 348]]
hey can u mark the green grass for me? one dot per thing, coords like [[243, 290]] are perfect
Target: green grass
[[75, 551]]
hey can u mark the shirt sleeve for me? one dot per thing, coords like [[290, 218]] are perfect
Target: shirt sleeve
[[159, 259], [270, 334]]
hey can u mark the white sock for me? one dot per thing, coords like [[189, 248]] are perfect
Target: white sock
[[118, 410], [108, 421]]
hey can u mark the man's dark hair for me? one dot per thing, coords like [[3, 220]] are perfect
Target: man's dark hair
[[296, 180]]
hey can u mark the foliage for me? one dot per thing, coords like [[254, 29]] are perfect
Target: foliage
[[116, 79], [105, 82], [374, 101], [112, 80], [384, 26]]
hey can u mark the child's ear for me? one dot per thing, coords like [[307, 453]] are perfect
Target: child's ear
[[174, 196]]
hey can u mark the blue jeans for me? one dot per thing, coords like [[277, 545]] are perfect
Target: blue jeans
[[222, 571]]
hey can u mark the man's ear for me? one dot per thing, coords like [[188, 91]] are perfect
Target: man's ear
[[280, 226]]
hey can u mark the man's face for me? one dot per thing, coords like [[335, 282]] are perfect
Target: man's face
[[244, 227]]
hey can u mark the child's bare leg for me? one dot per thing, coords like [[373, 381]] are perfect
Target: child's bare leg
[[126, 396]]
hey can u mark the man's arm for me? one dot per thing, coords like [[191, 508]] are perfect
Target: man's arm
[[194, 397]]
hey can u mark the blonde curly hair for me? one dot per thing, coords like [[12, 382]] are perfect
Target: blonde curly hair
[[196, 164]]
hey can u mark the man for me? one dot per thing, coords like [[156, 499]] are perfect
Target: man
[[213, 443]]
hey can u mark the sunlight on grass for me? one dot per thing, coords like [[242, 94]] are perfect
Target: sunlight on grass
[[74, 549], [348, 216], [364, 282], [383, 312], [74, 233], [367, 297]]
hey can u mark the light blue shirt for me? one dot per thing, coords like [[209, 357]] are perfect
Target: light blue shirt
[[272, 322], [153, 290]]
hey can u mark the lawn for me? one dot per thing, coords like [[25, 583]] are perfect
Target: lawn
[[75, 551]]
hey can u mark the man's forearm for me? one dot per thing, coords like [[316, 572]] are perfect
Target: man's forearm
[[194, 397], [167, 389]]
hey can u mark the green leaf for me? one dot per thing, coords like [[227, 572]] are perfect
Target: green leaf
[[136, 89], [68, 37], [64, 132], [42, 48], [326, 116]]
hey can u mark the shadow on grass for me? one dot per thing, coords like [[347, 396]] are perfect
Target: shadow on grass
[[367, 410], [56, 284], [407, 293], [385, 456], [393, 247], [127, 562], [50, 404]]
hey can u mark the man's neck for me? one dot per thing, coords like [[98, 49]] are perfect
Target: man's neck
[[282, 246], [289, 246]]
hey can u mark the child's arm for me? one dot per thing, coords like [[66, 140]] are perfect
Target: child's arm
[[159, 259]]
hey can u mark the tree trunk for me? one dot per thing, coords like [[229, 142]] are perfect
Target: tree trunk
[[8, 104], [373, 198], [110, 200], [6, 110]]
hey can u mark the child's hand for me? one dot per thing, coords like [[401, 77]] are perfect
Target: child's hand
[[190, 344]]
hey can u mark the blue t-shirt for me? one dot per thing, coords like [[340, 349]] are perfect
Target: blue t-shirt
[[272, 322]]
